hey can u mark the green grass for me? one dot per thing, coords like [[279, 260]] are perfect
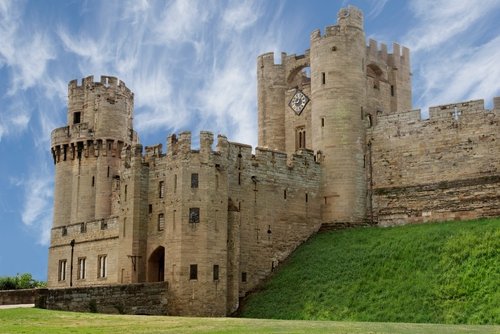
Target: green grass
[[430, 273], [31, 321]]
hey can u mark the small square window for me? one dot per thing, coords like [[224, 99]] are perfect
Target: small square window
[[194, 215], [193, 271], [104, 225]]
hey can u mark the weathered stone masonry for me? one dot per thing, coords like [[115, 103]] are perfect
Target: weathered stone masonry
[[338, 146]]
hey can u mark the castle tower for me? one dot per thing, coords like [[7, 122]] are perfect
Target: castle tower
[[271, 88], [87, 151], [338, 132]]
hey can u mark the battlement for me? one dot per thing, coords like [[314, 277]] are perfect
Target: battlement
[[107, 82], [268, 59], [181, 145], [446, 113], [350, 17], [400, 54]]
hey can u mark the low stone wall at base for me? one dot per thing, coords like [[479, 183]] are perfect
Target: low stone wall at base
[[140, 298], [15, 297]]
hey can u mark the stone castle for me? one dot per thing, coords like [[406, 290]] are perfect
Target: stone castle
[[338, 145]]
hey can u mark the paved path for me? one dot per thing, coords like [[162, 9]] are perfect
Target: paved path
[[16, 306]]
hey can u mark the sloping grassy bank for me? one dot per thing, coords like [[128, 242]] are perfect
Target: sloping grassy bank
[[433, 273]]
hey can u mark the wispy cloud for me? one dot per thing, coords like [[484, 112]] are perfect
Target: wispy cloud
[[453, 59], [441, 20], [25, 49], [36, 213], [377, 8], [14, 118]]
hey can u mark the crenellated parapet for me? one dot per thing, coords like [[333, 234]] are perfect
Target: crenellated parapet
[[347, 18], [453, 115], [109, 86], [399, 57]]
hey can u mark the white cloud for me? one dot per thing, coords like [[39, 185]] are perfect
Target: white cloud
[[182, 20], [240, 15], [15, 118], [453, 59], [25, 49], [378, 7], [441, 20], [36, 213]]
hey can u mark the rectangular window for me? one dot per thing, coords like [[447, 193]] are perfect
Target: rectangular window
[[150, 208], [323, 78], [161, 189], [108, 171], [62, 270], [175, 183], [194, 180], [102, 266], [81, 268], [64, 231], [77, 117], [194, 215], [83, 228], [300, 137], [161, 222], [216, 272], [243, 277], [125, 194], [193, 271], [104, 225], [322, 122], [392, 90]]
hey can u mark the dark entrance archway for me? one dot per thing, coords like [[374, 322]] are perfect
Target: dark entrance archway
[[156, 265]]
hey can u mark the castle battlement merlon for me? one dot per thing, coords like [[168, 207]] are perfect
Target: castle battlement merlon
[[105, 81], [350, 17], [400, 54]]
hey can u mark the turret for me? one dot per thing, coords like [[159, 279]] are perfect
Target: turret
[[271, 87], [338, 131], [87, 151]]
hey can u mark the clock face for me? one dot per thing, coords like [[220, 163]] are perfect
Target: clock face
[[298, 102]]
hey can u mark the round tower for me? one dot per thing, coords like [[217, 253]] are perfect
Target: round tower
[[271, 87], [87, 151], [338, 132]]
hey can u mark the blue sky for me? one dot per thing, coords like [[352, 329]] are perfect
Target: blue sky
[[192, 67]]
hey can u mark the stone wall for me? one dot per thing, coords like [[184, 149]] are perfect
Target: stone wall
[[141, 298], [444, 168], [14, 297]]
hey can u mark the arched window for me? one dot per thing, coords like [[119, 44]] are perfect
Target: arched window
[[300, 137]]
